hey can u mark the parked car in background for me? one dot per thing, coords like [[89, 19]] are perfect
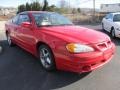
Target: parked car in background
[[111, 23], [58, 43]]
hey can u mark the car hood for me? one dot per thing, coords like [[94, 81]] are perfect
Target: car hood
[[77, 34]]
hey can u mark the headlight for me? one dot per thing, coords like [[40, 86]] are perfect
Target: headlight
[[78, 48]]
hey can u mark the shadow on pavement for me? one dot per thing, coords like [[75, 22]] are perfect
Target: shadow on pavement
[[19, 70]]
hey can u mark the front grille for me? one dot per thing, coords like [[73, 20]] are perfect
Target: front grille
[[104, 45]]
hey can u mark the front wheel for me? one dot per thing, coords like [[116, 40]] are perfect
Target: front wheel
[[46, 58]]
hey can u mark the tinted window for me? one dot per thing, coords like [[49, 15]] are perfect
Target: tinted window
[[23, 18], [116, 18]]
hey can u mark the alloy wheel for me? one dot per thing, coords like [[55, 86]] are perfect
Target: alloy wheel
[[45, 58]]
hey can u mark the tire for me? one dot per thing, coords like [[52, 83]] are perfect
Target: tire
[[113, 33], [9, 41], [46, 58]]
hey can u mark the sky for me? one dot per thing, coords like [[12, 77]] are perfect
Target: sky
[[73, 3]]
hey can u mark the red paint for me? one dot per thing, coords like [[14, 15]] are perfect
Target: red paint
[[57, 37]]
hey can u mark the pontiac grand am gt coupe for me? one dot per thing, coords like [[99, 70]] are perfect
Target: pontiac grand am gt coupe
[[58, 43]]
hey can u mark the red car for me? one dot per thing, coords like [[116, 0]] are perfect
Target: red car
[[58, 43]]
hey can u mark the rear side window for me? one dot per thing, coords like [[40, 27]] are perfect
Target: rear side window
[[15, 19], [23, 18]]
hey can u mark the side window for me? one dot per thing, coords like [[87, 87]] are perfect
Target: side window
[[15, 19], [41, 19], [23, 18], [111, 16]]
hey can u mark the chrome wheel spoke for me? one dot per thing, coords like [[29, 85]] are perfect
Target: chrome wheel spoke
[[48, 60], [45, 57]]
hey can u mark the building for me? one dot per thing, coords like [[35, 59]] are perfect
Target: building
[[7, 10], [106, 8]]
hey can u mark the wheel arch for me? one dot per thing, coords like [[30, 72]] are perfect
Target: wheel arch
[[43, 43], [39, 43], [6, 32]]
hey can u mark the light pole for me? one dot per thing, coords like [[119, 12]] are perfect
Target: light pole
[[93, 9]]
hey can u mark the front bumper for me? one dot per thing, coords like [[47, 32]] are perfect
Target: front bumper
[[85, 62]]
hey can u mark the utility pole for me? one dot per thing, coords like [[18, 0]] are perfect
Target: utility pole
[[69, 4], [69, 7], [93, 9]]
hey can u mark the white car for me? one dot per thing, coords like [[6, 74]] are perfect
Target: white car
[[111, 23]]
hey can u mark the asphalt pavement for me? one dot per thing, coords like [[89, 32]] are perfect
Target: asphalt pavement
[[19, 70]]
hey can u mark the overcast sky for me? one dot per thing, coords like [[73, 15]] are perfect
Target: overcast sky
[[73, 3]]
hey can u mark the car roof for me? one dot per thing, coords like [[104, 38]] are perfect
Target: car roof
[[115, 13], [30, 12]]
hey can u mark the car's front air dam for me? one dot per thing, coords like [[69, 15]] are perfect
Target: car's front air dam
[[85, 62]]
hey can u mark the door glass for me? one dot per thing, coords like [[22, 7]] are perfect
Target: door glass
[[23, 18]]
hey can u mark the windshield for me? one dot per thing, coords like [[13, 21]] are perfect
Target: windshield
[[51, 19], [116, 18]]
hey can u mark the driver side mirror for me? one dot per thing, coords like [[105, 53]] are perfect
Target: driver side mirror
[[26, 24]]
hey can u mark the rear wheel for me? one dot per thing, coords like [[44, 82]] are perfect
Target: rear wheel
[[46, 58], [9, 40]]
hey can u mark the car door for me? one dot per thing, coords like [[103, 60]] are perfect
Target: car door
[[26, 35], [13, 28]]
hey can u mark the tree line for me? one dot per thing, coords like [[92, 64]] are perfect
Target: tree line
[[36, 6]]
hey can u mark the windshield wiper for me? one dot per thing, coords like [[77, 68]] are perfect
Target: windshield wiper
[[45, 25], [65, 24], [55, 25]]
